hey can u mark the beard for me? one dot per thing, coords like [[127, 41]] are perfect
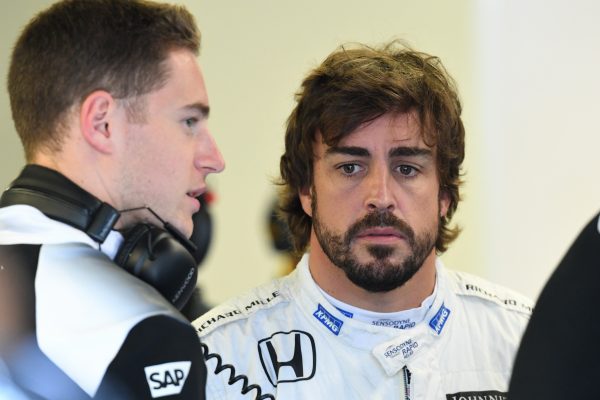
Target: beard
[[382, 274]]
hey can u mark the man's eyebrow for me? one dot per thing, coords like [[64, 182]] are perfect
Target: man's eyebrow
[[410, 151], [395, 152], [348, 150], [198, 107]]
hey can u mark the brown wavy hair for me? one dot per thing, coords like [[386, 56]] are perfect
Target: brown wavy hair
[[78, 46], [357, 84]]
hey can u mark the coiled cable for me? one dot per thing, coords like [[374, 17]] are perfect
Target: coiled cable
[[233, 378]]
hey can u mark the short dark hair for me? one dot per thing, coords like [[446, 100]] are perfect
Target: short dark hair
[[78, 46], [357, 84]]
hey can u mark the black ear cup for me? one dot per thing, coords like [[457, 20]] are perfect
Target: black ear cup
[[157, 258], [202, 233]]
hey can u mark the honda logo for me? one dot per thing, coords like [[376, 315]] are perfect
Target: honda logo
[[288, 356]]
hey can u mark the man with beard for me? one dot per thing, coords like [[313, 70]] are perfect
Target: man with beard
[[370, 180]]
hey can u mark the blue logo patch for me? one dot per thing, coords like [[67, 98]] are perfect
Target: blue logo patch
[[439, 319], [346, 313], [330, 322]]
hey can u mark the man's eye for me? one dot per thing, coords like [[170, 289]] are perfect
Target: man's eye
[[191, 122], [349, 169], [407, 170]]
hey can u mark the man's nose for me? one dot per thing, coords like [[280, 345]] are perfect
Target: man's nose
[[380, 192], [209, 158]]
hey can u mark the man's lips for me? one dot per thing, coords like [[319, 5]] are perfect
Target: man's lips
[[383, 233], [193, 195], [196, 192]]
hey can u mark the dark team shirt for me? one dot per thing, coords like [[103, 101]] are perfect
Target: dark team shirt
[[87, 328], [560, 351]]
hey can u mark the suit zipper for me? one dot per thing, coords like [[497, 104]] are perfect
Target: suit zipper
[[406, 376]]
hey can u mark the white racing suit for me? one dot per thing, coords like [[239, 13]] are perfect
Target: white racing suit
[[284, 340]]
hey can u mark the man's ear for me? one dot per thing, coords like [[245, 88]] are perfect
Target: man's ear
[[444, 202], [95, 116], [305, 195]]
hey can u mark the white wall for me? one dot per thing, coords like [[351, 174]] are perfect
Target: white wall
[[537, 90], [525, 73]]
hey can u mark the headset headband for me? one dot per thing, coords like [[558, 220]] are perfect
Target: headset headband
[[61, 199]]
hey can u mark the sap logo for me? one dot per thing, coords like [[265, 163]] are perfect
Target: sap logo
[[167, 379], [332, 323], [288, 356], [439, 319]]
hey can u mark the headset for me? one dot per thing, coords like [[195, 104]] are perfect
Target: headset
[[162, 257]]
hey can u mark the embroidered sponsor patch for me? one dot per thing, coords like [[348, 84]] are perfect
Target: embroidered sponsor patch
[[439, 319], [211, 320], [485, 395], [489, 294], [406, 349], [167, 379], [328, 320], [398, 324]]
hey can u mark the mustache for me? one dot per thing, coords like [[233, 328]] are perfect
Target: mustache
[[380, 219]]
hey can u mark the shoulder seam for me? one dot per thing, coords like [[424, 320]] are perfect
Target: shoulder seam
[[239, 308], [471, 286]]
